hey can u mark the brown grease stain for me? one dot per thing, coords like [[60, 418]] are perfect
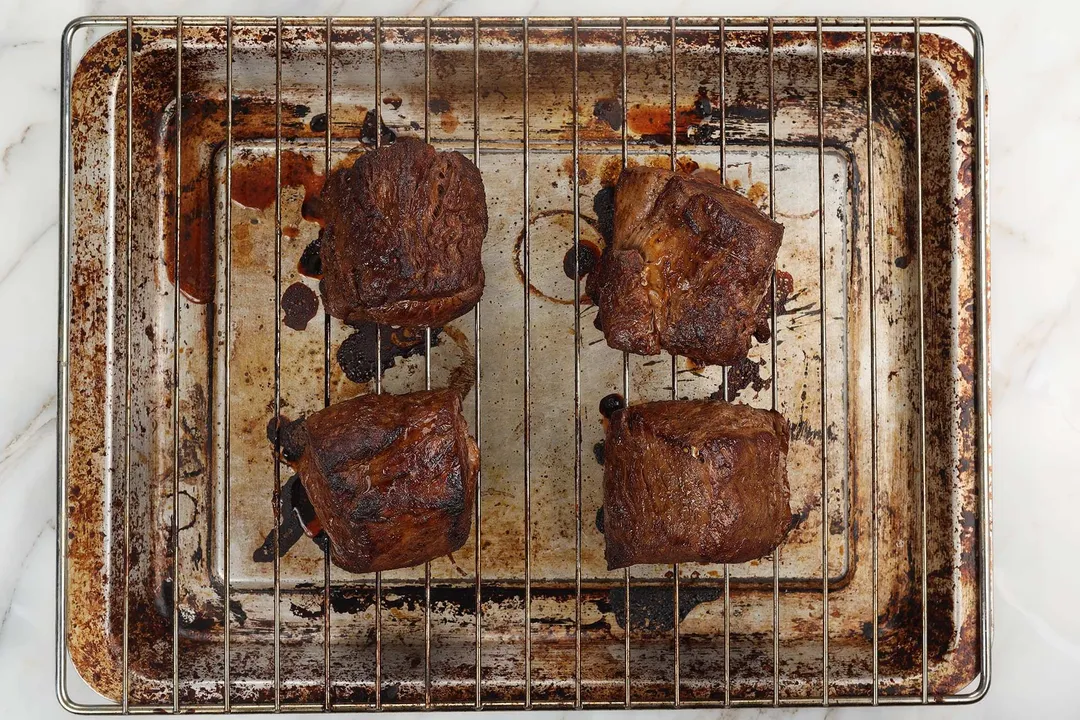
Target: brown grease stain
[[254, 183], [609, 174], [448, 122], [686, 165], [202, 134], [757, 193], [587, 165]]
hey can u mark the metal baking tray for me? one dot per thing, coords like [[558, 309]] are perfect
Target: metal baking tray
[[177, 348]]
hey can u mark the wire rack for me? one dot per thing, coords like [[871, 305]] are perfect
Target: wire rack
[[815, 31]]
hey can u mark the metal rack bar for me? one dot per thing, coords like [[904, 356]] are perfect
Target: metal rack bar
[[526, 219], [873, 351], [553, 22], [478, 546], [626, 394], [772, 352], [427, 372], [823, 301], [125, 679], [673, 42], [354, 707], [982, 359], [63, 301], [327, 158], [277, 364], [922, 360], [226, 549], [377, 106], [577, 378], [722, 26], [176, 382]]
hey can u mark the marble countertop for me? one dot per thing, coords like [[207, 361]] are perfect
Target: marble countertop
[[1032, 65]]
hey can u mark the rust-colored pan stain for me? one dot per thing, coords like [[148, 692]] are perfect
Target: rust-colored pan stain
[[653, 122], [448, 122]]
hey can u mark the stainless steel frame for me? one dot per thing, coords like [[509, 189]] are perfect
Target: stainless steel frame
[[815, 25]]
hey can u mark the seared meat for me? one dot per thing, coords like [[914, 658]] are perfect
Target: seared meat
[[694, 481], [391, 477], [404, 229], [688, 269]]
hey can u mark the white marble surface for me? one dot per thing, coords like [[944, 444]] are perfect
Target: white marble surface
[[1032, 67]]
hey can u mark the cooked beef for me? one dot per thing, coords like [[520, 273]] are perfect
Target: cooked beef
[[694, 481], [690, 264], [404, 230], [391, 477]]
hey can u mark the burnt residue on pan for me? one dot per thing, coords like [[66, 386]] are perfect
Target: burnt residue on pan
[[356, 355], [589, 253], [310, 263], [299, 304]]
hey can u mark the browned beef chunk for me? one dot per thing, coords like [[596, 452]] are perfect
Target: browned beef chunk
[[391, 477], [688, 268], [694, 481], [404, 230]]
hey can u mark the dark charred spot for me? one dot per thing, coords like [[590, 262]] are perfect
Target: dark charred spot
[[604, 207], [598, 452], [902, 262], [600, 520], [272, 427], [438, 105], [297, 519], [785, 286], [691, 222], [312, 208], [299, 304], [702, 106], [610, 111], [356, 356], [367, 507], [136, 41], [293, 440], [746, 373], [367, 135], [763, 329], [301, 111], [241, 105], [318, 123], [311, 260], [357, 353], [611, 404], [414, 125], [785, 290], [587, 255]]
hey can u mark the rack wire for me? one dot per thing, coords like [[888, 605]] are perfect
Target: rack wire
[[817, 27]]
